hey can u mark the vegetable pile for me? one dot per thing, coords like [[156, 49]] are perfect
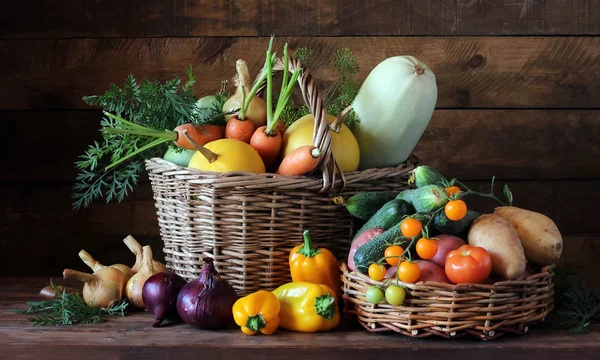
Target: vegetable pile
[[428, 233], [258, 128]]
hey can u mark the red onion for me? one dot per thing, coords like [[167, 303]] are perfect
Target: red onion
[[160, 295], [207, 302]]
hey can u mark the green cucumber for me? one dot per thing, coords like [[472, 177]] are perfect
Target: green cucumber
[[387, 216], [425, 175], [407, 195], [364, 205], [450, 227], [374, 250], [429, 198]]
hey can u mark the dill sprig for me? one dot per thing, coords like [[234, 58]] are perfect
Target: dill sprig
[[69, 309], [576, 304], [339, 95], [156, 105]]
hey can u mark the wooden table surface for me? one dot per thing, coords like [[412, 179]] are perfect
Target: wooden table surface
[[133, 337]]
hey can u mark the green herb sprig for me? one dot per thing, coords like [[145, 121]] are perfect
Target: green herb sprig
[[69, 309], [576, 304], [152, 104]]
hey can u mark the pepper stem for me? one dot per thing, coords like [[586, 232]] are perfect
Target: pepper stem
[[308, 249], [256, 322], [325, 306], [209, 155]]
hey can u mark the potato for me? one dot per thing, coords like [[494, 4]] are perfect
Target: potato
[[446, 243], [541, 239], [495, 234], [432, 272]]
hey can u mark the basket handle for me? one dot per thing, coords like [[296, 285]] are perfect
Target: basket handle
[[321, 133]]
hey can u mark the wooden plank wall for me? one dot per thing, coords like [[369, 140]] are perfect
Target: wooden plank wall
[[518, 80]]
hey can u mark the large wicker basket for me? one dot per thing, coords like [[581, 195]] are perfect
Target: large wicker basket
[[248, 223], [485, 311]]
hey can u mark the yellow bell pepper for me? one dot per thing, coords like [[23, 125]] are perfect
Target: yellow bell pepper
[[315, 265], [307, 307], [256, 312]]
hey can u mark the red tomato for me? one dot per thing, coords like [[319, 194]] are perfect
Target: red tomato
[[468, 264]]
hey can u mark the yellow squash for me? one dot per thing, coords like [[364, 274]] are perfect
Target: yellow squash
[[344, 145], [227, 155]]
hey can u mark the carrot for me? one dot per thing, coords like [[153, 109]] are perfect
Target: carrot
[[201, 134], [268, 146], [300, 161], [239, 129]]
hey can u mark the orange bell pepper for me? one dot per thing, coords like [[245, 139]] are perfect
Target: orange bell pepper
[[257, 312], [315, 265]]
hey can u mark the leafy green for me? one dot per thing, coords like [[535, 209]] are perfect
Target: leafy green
[[69, 309], [156, 105], [576, 304]]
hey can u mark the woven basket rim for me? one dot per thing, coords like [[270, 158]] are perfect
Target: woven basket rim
[[262, 180]]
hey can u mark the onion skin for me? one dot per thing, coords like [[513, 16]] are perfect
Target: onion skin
[[160, 295], [207, 302]]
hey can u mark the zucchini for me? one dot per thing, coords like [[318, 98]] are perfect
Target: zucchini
[[374, 250], [450, 227], [387, 216], [364, 205]]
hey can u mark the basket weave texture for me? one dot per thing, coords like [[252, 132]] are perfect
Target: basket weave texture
[[484, 311], [248, 223]]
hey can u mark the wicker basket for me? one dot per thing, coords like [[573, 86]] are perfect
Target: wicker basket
[[485, 311], [248, 223]]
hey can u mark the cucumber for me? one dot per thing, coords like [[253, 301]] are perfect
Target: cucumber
[[450, 227], [387, 216], [364, 205], [426, 175], [429, 198], [374, 250], [407, 195]]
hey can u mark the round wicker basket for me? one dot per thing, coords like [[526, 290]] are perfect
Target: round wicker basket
[[248, 223], [485, 311]]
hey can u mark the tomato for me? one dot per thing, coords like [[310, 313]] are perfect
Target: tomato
[[395, 295], [374, 295], [409, 272], [468, 264], [452, 190], [455, 209], [377, 271], [427, 248], [411, 227], [394, 250]]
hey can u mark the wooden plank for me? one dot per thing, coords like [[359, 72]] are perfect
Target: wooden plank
[[38, 224], [467, 144], [472, 72], [133, 335], [113, 18]]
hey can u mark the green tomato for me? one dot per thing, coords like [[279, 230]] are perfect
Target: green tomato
[[181, 158], [395, 295], [374, 295]]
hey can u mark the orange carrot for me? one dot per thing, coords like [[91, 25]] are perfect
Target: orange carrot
[[300, 161], [201, 134], [239, 129], [268, 146]]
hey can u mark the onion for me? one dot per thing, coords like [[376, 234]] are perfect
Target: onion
[[160, 295], [207, 301]]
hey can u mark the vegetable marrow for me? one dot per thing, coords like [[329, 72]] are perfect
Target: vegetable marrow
[[387, 216]]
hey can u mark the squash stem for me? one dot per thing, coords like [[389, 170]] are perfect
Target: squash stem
[[209, 155]]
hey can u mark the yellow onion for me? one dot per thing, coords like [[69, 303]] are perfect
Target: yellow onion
[[256, 110], [135, 285]]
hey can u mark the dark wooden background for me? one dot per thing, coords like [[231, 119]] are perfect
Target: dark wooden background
[[518, 82]]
